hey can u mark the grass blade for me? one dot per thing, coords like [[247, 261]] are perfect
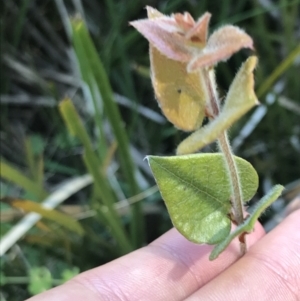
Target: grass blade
[[281, 68], [51, 214], [94, 166], [14, 175], [115, 119]]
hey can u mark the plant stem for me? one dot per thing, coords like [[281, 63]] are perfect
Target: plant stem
[[224, 145], [26, 280], [237, 200], [234, 178]]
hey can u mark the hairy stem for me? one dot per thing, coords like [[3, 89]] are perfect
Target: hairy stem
[[224, 145], [237, 199], [234, 178]]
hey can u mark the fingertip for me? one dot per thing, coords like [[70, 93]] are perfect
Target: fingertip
[[272, 265]]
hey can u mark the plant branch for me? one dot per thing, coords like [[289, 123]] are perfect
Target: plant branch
[[237, 199], [224, 145]]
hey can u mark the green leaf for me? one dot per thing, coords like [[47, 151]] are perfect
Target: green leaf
[[240, 99], [68, 274], [248, 225], [197, 191], [40, 280]]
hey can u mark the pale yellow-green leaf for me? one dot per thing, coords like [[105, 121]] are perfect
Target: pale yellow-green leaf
[[240, 99], [181, 95]]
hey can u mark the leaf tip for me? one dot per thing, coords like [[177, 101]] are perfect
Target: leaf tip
[[213, 255], [251, 63], [153, 13]]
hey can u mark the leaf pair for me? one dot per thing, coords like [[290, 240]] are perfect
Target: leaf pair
[[197, 192], [180, 38]]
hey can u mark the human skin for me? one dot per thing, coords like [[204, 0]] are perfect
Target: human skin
[[172, 268]]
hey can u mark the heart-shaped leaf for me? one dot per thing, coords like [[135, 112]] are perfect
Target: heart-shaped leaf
[[196, 190]]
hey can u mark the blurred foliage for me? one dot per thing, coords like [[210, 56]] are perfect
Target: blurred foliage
[[39, 279], [41, 64]]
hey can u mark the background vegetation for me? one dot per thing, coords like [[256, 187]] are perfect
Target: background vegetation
[[87, 159]]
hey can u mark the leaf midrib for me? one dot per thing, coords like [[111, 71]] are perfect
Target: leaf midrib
[[190, 184]]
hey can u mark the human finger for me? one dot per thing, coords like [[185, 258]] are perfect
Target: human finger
[[269, 271], [170, 268]]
